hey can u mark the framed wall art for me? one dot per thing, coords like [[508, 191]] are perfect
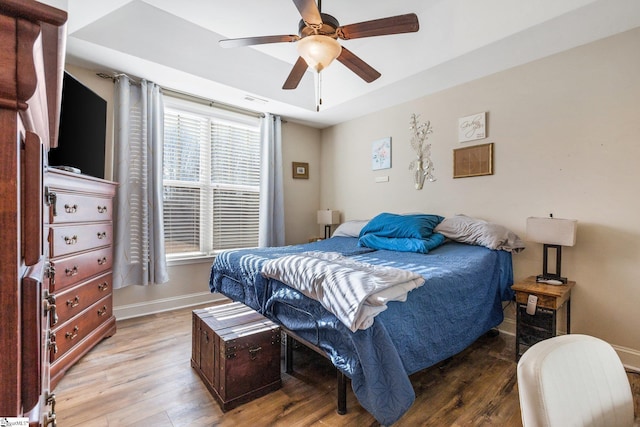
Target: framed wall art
[[381, 154], [473, 161], [300, 170], [472, 127]]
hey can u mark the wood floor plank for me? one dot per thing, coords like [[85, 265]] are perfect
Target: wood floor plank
[[142, 377]]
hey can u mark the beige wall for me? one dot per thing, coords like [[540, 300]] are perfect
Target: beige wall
[[188, 284], [301, 196], [567, 141]]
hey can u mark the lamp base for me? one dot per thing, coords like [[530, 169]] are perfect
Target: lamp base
[[544, 278], [327, 231], [554, 278]]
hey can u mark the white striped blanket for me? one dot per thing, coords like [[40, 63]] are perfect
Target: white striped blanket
[[355, 292]]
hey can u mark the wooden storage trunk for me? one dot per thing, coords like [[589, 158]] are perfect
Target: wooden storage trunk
[[236, 352]]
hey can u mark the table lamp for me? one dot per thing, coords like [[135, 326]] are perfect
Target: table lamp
[[328, 218], [553, 233]]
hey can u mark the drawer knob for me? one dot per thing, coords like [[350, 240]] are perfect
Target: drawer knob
[[102, 261], [102, 311], [71, 271], [103, 286], [70, 208], [73, 334], [102, 235], [74, 302], [102, 209], [71, 240]]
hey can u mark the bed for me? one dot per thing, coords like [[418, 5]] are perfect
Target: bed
[[460, 300]]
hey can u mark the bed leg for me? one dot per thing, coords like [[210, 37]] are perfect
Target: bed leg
[[288, 353], [492, 333], [342, 393]]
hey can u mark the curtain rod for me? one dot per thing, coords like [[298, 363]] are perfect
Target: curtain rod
[[211, 103], [187, 96]]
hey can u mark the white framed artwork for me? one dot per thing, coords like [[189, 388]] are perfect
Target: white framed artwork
[[381, 154], [472, 127]]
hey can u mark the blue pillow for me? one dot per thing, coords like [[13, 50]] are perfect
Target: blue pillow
[[402, 244], [418, 226]]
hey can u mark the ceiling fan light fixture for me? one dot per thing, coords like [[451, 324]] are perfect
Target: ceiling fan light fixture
[[318, 51]]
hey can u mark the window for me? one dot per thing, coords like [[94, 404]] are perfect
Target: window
[[211, 180]]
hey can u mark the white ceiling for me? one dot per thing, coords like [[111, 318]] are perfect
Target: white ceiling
[[175, 44]]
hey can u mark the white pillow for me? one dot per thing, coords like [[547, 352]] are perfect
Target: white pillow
[[350, 228]]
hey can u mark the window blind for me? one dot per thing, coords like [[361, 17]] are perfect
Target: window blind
[[211, 183]]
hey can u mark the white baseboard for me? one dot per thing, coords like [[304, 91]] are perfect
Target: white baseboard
[[129, 311], [630, 357]]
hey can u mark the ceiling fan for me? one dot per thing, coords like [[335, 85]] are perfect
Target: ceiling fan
[[317, 40]]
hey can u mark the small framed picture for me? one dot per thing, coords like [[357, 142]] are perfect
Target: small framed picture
[[381, 154], [472, 127], [300, 170]]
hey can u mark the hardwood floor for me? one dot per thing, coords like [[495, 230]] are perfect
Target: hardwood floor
[[142, 377]]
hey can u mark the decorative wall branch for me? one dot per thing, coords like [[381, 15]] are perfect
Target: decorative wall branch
[[422, 166]]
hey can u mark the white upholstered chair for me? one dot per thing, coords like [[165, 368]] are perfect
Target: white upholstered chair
[[574, 380]]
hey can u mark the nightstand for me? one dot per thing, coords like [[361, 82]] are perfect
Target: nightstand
[[531, 329]]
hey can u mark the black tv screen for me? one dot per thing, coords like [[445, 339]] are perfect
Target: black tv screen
[[83, 124]]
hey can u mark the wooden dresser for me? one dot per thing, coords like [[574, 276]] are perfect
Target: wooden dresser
[[32, 48], [80, 232]]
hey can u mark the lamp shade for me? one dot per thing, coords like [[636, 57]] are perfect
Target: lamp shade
[[328, 217], [318, 51], [552, 231]]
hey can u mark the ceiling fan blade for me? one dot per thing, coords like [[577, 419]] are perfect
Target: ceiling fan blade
[[249, 41], [358, 66], [309, 11], [299, 68], [380, 27]]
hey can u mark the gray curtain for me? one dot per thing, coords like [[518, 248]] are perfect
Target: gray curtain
[[139, 257], [271, 230]]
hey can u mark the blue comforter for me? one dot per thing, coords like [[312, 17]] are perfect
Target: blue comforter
[[460, 300]]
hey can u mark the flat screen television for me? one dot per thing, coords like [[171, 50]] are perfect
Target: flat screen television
[[83, 124]]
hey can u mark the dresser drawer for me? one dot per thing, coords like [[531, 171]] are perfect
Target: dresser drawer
[[76, 299], [80, 208], [64, 240], [74, 269], [75, 330]]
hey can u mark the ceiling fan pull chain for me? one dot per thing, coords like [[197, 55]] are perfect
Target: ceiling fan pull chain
[[318, 78]]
